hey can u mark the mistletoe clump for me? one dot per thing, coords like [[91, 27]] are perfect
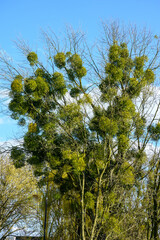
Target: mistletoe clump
[[32, 58], [17, 86], [18, 156], [108, 125], [59, 84], [77, 66], [42, 87], [60, 60], [30, 85]]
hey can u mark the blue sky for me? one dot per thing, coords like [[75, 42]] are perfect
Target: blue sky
[[25, 19]]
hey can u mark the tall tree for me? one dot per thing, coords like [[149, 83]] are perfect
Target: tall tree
[[90, 120]]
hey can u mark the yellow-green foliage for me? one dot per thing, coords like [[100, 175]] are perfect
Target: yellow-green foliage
[[109, 95], [98, 156], [77, 160], [124, 73], [60, 60], [89, 200], [133, 82], [124, 107], [32, 58], [85, 99], [139, 65], [76, 61], [67, 154], [17, 85], [32, 128], [58, 80], [66, 169], [17, 105], [71, 114], [114, 73], [127, 175], [124, 125], [123, 142], [42, 87], [108, 125], [30, 85], [39, 72], [149, 76], [134, 87], [139, 125], [100, 163], [114, 52], [81, 72], [139, 62], [17, 188], [124, 53], [77, 68]]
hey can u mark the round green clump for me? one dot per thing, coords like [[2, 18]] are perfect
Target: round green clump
[[124, 107], [42, 86], [22, 122], [58, 77], [68, 54], [149, 76], [16, 105], [114, 53], [116, 73], [139, 62], [124, 53], [17, 85], [76, 61], [39, 72], [81, 72], [58, 80], [107, 125], [32, 58], [30, 85], [18, 157], [75, 92], [60, 60]]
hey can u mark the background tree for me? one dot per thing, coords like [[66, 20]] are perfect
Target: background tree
[[92, 126], [17, 188]]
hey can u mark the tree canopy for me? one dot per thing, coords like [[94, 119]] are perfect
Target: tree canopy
[[17, 208], [89, 118]]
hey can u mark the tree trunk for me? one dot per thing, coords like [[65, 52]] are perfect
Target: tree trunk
[[83, 212]]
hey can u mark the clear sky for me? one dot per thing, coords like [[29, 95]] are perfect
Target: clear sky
[[25, 19]]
